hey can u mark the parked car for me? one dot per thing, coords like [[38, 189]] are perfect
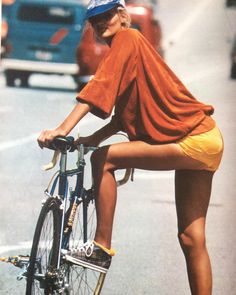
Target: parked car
[[42, 38], [233, 60], [91, 50]]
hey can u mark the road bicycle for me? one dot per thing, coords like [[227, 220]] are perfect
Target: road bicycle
[[67, 220]]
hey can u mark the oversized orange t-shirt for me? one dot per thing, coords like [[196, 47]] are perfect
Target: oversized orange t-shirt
[[151, 103]]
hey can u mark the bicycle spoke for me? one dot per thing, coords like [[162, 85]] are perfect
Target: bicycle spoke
[[83, 280]]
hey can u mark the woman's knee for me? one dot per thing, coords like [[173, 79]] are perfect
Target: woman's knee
[[191, 241], [100, 160]]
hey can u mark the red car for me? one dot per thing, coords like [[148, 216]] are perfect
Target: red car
[[91, 50]]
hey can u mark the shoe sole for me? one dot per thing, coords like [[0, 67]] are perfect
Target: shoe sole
[[85, 264]]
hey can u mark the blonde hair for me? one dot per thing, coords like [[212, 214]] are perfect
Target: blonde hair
[[124, 13]]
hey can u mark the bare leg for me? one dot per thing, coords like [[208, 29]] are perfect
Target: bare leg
[[106, 194], [128, 155], [193, 189]]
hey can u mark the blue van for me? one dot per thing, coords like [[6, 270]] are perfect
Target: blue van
[[42, 38]]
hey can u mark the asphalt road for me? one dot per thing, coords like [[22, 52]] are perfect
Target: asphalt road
[[197, 37]]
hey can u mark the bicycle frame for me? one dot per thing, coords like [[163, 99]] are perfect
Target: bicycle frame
[[78, 196], [61, 206]]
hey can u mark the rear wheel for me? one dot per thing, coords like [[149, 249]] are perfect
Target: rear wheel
[[81, 280], [41, 275]]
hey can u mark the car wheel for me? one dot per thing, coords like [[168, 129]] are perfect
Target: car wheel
[[10, 78], [233, 71], [24, 78]]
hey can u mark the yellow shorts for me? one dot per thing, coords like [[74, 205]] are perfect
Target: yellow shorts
[[206, 147]]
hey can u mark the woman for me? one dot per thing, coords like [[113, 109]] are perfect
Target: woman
[[168, 130]]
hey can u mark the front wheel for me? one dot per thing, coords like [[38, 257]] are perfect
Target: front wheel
[[44, 253]]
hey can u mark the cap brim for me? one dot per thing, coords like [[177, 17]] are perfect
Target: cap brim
[[100, 9]]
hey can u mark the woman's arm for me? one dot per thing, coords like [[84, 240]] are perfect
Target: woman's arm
[[79, 111], [100, 135]]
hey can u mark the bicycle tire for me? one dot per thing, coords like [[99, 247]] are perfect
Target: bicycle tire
[[81, 280], [45, 249]]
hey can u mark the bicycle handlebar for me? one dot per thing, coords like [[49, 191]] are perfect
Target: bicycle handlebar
[[63, 144]]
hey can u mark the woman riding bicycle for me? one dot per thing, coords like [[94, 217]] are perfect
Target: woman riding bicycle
[[168, 130]]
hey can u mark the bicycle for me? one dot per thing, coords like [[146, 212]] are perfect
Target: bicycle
[[67, 220]]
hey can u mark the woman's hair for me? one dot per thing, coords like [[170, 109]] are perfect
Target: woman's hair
[[124, 13]]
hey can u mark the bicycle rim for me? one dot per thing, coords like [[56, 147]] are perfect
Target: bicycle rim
[[45, 249], [80, 280]]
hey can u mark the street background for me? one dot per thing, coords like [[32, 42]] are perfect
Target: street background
[[197, 36]]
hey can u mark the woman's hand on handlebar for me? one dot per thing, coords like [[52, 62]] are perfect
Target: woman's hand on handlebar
[[47, 136]]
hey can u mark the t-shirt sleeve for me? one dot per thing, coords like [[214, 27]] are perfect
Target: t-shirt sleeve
[[113, 76]]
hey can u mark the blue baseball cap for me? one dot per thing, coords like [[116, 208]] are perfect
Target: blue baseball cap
[[96, 7]]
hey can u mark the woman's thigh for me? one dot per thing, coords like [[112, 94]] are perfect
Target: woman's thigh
[[192, 193], [138, 154]]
